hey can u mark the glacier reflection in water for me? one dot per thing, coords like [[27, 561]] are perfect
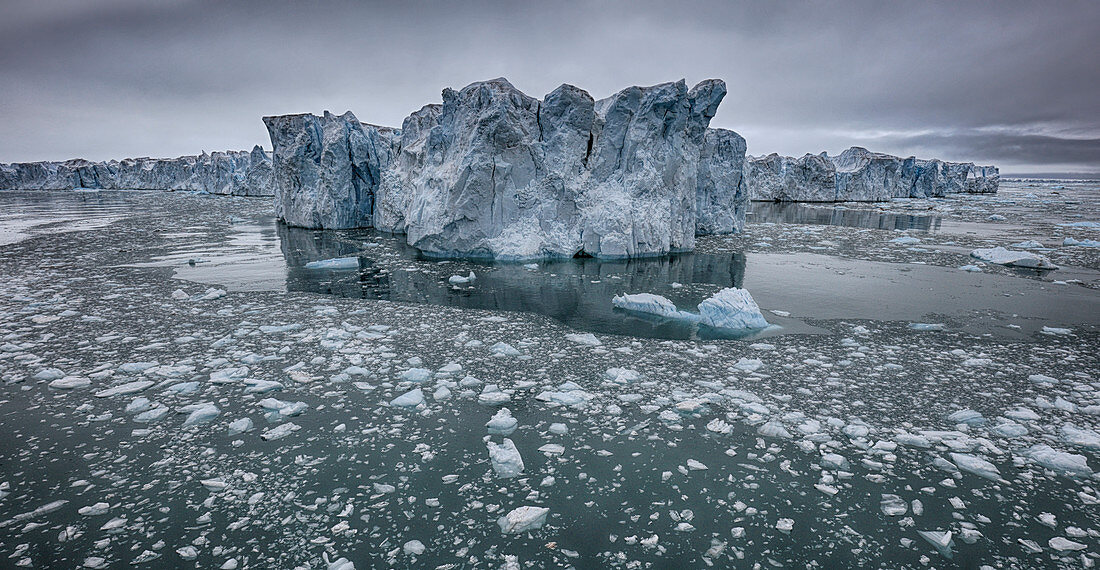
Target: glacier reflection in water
[[576, 292]]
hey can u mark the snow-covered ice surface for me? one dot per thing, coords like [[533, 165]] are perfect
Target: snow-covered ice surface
[[873, 443]]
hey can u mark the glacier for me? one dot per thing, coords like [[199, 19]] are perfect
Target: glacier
[[860, 175], [495, 173], [237, 173]]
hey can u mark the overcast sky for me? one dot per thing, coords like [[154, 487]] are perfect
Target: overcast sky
[[1014, 84]]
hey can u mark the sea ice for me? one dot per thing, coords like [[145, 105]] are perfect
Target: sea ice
[[523, 519], [410, 399], [336, 264], [462, 280], [505, 458], [1002, 256], [732, 308], [502, 423], [652, 304]]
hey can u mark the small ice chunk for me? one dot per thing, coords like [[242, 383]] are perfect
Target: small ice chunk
[[502, 423], [940, 540], [651, 304], [280, 431], [523, 519], [240, 426], [505, 458], [49, 374], [552, 449], [622, 375], [732, 308], [410, 399], [976, 465], [773, 429], [70, 383], [1058, 461], [122, 389], [893, 505], [784, 525], [460, 280], [335, 264], [503, 349], [696, 465], [966, 416], [95, 510], [415, 547], [586, 339], [1064, 544], [202, 414], [416, 375]]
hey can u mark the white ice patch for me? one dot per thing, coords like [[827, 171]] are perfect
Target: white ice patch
[[1002, 256], [523, 519]]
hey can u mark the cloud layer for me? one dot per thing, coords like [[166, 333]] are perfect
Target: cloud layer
[[1009, 83]]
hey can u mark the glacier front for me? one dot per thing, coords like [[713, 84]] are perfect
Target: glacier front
[[495, 173], [237, 173], [860, 175]]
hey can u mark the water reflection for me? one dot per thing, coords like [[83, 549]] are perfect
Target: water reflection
[[829, 215], [577, 292]]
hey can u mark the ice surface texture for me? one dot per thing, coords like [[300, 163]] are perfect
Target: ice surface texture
[[860, 175], [495, 173], [240, 173]]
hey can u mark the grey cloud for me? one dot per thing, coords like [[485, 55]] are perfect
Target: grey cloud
[[124, 78]]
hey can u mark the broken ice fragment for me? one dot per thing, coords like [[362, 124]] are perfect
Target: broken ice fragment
[[523, 519], [505, 458]]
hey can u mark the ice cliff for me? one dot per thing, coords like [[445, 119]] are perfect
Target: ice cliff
[[860, 175], [240, 173], [495, 173]]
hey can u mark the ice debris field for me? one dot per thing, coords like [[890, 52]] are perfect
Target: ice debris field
[[181, 388]]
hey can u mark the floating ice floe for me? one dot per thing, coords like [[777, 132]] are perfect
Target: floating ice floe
[[523, 519], [651, 304], [200, 414], [567, 394], [1081, 243], [127, 388], [462, 280], [1058, 461], [410, 399], [280, 431], [505, 458], [70, 383], [733, 309], [976, 465], [502, 423], [622, 375], [503, 349], [1002, 256], [586, 339], [338, 263], [940, 540]]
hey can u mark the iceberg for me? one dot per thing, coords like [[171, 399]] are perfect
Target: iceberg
[[493, 172], [335, 264], [651, 304], [1002, 256], [732, 308], [505, 458]]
